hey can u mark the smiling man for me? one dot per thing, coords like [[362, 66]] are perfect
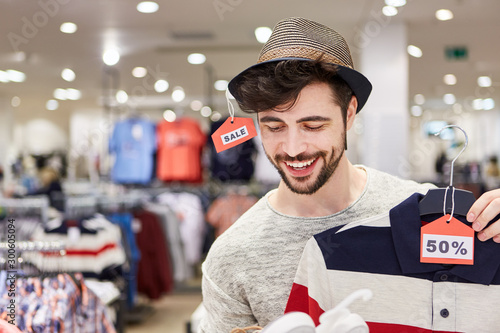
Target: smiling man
[[306, 94]]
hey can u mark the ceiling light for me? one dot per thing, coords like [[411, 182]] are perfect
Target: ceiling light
[[111, 57], [15, 101], [196, 58], [477, 104], [414, 51], [221, 85], [60, 94], [389, 11], [450, 79], [196, 105], [169, 116], [262, 34], [484, 81], [4, 77], [15, 76], [68, 28], [206, 111], [444, 14], [161, 86], [395, 3], [178, 94], [121, 96], [419, 99], [68, 75], [449, 99], [488, 103], [147, 7], [216, 116], [52, 105], [73, 94], [139, 72], [416, 110]]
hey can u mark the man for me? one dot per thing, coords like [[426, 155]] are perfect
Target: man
[[306, 95]]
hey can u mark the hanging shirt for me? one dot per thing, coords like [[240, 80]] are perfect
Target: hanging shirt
[[225, 210], [133, 143], [180, 145], [382, 253], [236, 163]]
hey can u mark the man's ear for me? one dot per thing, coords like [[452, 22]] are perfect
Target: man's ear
[[351, 112]]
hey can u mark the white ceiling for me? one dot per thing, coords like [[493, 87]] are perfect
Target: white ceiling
[[223, 30]]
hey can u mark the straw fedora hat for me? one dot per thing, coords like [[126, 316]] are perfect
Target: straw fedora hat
[[300, 38]]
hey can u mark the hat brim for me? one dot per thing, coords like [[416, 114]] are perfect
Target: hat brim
[[359, 84]]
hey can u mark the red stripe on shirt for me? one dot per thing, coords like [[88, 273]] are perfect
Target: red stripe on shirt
[[296, 303], [83, 252]]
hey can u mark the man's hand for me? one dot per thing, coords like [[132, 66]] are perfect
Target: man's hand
[[485, 209]]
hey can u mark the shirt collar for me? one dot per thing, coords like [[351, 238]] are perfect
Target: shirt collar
[[405, 226]]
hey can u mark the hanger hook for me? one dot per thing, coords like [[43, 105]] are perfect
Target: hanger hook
[[460, 153]]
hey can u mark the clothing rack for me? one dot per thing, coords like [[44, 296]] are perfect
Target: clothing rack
[[38, 205], [80, 206]]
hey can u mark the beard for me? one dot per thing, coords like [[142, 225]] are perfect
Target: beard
[[301, 185]]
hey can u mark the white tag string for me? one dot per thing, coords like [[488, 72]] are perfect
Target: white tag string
[[452, 202], [230, 106]]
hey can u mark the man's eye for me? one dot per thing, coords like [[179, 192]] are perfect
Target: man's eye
[[275, 129], [314, 128]]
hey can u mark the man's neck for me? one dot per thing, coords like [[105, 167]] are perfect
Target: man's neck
[[341, 190]]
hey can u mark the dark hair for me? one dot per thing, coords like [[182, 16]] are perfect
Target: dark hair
[[279, 83]]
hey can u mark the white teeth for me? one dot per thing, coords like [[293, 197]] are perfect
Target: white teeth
[[300, 164]]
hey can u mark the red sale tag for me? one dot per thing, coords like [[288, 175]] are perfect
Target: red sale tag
[[445, 242], [233, 132]]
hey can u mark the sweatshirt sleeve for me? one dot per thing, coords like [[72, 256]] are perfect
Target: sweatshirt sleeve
[[223, 312]]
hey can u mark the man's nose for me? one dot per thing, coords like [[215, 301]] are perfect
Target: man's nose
[[294, 144]]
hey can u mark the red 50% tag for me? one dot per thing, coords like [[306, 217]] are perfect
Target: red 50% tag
[[444, 242]]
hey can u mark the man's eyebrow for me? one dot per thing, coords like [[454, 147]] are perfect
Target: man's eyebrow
[[313, 118], [270, 119]]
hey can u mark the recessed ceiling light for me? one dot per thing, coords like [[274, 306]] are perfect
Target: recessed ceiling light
[[220, 85], [73, 94], [60, 94], [444, 14], [450, 79], [161, 86], [4, 77], [15, 101], [488, 103], [52, 105], [111, 57], [206, 111], [395, 3], [262, 34], [15, 76], [389, 11], [477, 104], [419, 99], [414, 51], [68, 75], [68, 27], [178, 94], [121, 96], [196, 58], [196, 105], [147, 7], [139, 72], [216, 116], [416, 110], [169, 116], [449, 99], [484, 81]]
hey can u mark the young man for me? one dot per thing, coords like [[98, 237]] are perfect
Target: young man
[[306, 94]]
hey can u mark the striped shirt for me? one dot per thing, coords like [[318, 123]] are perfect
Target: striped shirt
[[382, 253]]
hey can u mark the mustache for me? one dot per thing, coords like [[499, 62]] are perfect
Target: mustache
[[298, 158]]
